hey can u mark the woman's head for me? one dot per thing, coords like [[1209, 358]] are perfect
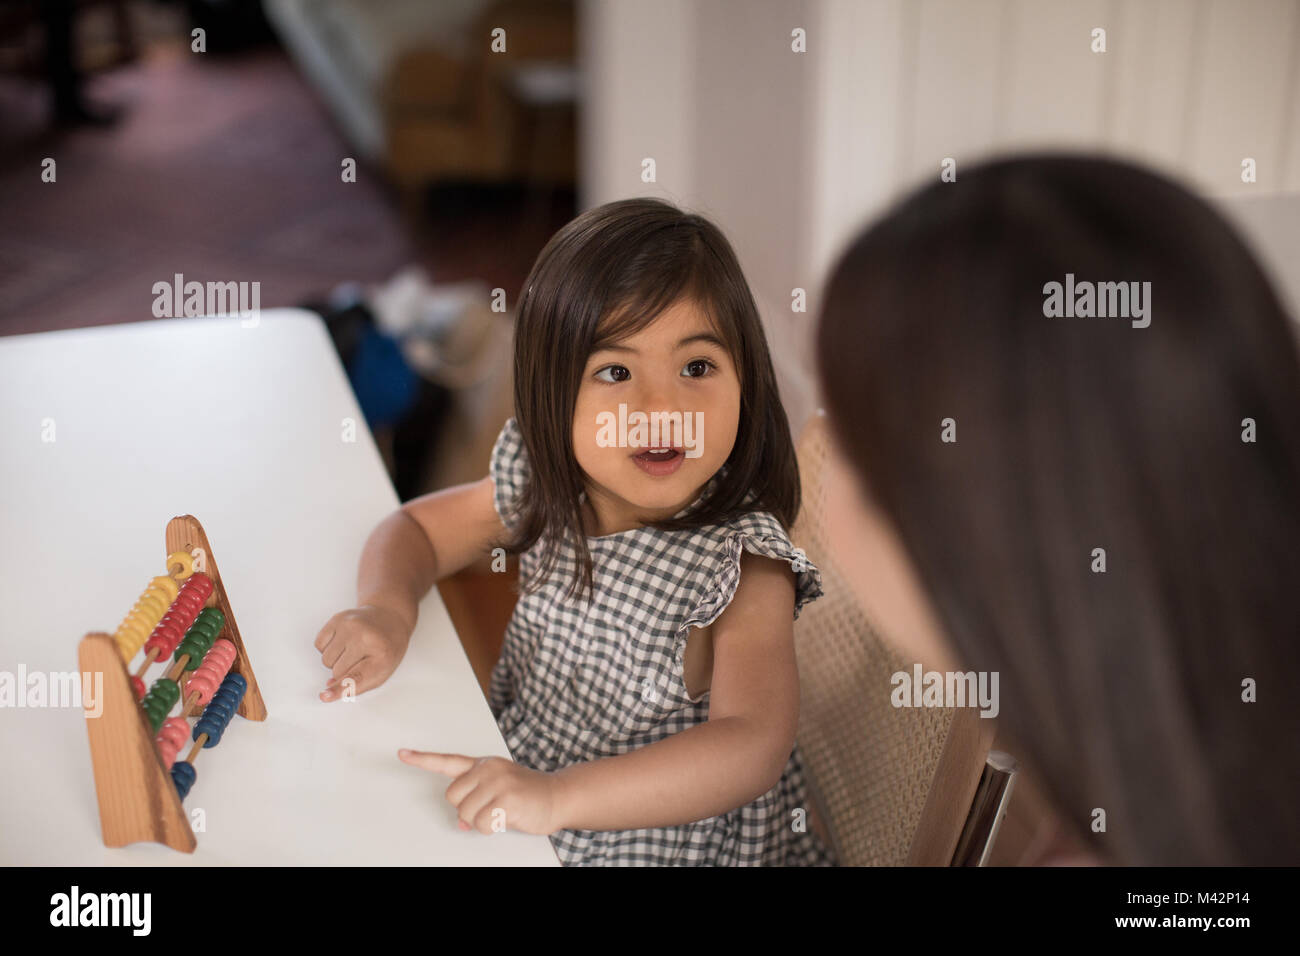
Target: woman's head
[[641, 305], [1071, 501]]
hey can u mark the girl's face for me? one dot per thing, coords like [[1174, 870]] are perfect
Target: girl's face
[[678, 365]]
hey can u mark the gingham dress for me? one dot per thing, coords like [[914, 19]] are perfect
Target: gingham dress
[[583, 679]]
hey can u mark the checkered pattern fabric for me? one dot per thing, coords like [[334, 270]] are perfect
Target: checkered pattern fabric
[[583, 679]]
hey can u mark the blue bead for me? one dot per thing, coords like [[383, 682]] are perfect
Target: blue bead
[[217, 715], [183, 775]]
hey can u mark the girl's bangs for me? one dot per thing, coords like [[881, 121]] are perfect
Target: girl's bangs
[[640, 311]]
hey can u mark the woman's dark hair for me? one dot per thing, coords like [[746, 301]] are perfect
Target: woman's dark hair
[[606, 275], [1128, 689]]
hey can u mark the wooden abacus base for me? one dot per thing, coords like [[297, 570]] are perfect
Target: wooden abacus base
[[137, 798]]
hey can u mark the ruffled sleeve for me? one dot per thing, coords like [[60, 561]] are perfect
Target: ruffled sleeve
[[759, 533], [509, 471]]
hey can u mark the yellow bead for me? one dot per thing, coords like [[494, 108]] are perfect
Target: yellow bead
[[168, 585], [145, 615], [185, 560], [152, 604], [127, 644]]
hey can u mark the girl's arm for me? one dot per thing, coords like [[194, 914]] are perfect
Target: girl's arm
[[731, 760], [417, 545], [424, 541]]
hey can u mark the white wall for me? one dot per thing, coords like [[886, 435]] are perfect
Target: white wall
[[638, 68], [791, 153]]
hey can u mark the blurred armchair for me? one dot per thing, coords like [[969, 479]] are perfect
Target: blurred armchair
[[421, 96]]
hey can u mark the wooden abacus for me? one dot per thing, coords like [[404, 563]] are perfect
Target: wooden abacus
[[184, 615]]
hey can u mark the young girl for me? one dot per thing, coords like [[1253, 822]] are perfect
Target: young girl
[[647, 686]]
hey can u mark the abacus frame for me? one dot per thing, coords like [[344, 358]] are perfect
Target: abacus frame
[[137, 798]]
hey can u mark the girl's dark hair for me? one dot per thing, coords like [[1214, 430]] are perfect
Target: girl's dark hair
[[606, 275], [1126, 689]]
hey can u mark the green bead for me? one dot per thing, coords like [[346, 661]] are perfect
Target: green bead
[[162, 697], [192, 650], [200, 637]]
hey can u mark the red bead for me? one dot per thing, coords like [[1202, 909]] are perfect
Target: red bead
[[137, 685], [166, 637]]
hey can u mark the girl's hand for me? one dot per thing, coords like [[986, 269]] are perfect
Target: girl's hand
[[530, 798], [365, 644]]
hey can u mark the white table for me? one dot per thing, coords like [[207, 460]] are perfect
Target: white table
[[241, 427]]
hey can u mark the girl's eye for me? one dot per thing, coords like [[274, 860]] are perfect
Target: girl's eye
[[697, 363], [612, 369]]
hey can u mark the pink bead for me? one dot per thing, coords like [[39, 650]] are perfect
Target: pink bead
[[171, 738], [199, 684], [167, 751], [208, 676]]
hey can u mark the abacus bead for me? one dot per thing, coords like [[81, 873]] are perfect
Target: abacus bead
[[159, 701], [153, 604], [165, 637], [146, 613], [167, 753], [130, 635], [198, 639], [175, 728], [166, 585], [193, 593], [191, 649], [185, 608], [185, 560], [166, 689], [221, 656], [171, 628], [215, 666], [175, 620], [137, 685], [171, 738], [183, 775], [154, 713], [216, 717]]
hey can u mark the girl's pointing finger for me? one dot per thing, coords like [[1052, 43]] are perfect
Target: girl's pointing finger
[[453, 765]]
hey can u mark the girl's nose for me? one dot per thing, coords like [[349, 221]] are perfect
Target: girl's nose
[[665, 392], [656, 397]]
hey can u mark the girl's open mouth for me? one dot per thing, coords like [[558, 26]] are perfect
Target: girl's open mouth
[[659, 461]]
